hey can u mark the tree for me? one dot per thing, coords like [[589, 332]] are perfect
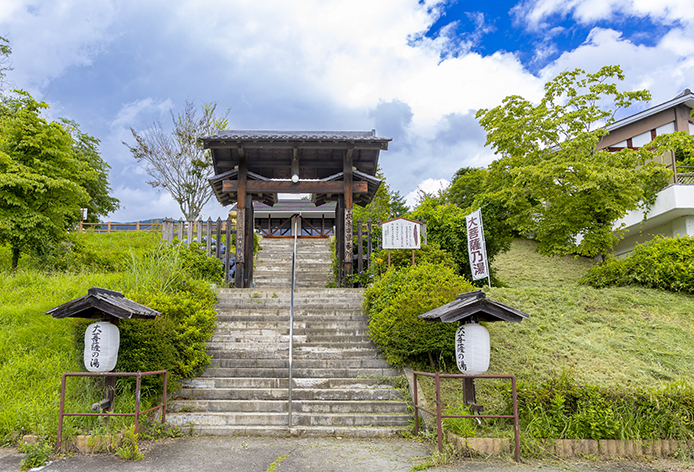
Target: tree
[[5, 52], [86, 149], [468, 182], [550, 176], [178, 162], [385, 205], [41, 177]]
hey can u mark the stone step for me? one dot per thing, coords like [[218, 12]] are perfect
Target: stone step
[[294, 431], [253, 395], [298, 372], [300, 364], [242, 324], [300, 352], [253, 404], [280, 419], [274, 314], [284, 331], [253, 382], [241, 336]]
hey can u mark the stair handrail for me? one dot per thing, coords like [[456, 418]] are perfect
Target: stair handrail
[[291, 321]]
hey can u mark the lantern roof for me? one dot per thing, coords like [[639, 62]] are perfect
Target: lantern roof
[[474, 306], [100, 303]]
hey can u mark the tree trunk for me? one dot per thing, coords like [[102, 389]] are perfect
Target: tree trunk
[[15, 258]]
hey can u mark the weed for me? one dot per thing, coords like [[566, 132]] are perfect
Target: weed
[[276, 463], [36, 454], [129, 449]]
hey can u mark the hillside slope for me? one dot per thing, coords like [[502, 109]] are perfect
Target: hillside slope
[[614, 336]]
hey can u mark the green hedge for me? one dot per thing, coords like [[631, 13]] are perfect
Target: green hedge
[[663, 263], [396, 299], [563, 409]]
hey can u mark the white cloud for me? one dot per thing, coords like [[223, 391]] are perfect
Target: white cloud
[[48, 37], [536, 13], [427, 187]]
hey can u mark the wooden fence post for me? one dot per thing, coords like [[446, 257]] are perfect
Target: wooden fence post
[[218, 241], [208, 237], [227, 254], [369, 248], [360, 251]]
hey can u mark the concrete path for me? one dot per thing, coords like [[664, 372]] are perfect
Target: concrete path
[[220, 454]]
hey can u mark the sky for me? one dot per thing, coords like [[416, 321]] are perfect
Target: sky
[[415, 71]]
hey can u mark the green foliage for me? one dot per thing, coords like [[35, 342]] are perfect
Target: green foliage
[[562, 409], [385, 205], [86, 149], [558, 187], [394, 302], [463, 427], [198, 265], [106, 252], [36, 454], [447, 228], [41, 179], [129, 449], [662, 263], [175, 341], [467, 184]]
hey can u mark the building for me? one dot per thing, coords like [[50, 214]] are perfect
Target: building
[[672, 215]]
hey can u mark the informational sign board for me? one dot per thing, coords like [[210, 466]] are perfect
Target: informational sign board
[[476, 247], [401, 233]]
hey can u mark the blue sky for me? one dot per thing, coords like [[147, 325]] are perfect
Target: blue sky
[[416, 71]]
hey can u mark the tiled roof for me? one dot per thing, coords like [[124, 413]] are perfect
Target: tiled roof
[[100, 302], [297, 135]]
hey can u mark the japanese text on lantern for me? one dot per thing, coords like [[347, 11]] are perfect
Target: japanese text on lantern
[[95, 347], [476, 247]]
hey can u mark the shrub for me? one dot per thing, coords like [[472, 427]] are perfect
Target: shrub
[[198, 265], [663, 263], [446, 227], [394, 302], [400, 258], [563, 409]]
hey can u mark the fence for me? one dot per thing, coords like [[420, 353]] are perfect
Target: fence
[[217, 238], [137, 375], [112, 227], [438, 376]]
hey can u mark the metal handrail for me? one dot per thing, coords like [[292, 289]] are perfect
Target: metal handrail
[[138, 375], [438, 376], [291, 323]]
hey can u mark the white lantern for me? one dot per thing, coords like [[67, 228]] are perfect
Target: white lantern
[[101, 341], [472, 349]]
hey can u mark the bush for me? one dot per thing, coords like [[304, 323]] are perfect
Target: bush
[[663, 263], [400, 258], [394, 302], [446, 226], [562, 409]]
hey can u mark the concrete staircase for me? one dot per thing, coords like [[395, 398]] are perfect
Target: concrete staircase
[[273, 265], [341, 384]]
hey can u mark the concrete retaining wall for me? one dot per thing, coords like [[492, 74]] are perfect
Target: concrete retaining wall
[[606, 448]]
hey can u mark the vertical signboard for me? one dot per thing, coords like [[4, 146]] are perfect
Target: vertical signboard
[[476, 247], [401, 233]]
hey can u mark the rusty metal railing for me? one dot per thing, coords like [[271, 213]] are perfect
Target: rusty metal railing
[[438, 376], [137, 413]]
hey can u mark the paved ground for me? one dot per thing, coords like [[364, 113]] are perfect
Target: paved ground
[[221, 454]]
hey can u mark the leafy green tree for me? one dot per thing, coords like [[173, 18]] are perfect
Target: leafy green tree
[[468, 182], [86, 149], [385, 205], [446, 227], [558, 187], [177, 162], [41, 177]]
